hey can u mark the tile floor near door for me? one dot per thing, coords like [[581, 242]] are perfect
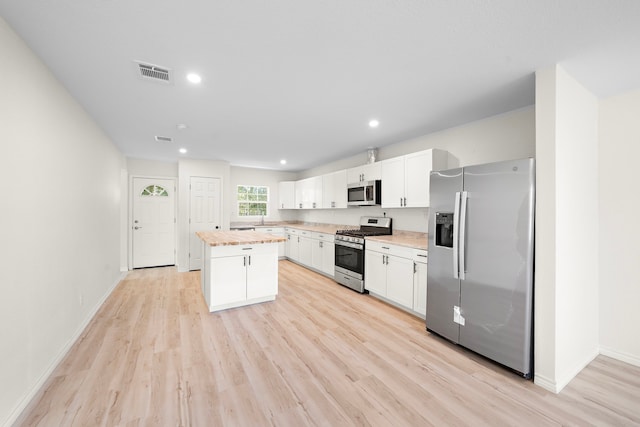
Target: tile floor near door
[[319, 355]]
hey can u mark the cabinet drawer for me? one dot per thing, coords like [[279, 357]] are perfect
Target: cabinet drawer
[[234, 250], [386, 248], [325, 237], [420, 255], [271, 230], [292, 231]]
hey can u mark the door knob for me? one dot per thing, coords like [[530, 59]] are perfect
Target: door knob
[[136, 227]]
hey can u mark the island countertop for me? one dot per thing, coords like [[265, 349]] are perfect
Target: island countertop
[[226, 238]]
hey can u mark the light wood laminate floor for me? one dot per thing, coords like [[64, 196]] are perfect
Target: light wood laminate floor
[[319, 355]]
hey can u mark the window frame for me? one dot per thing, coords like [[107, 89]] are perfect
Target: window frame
[[255, 191]]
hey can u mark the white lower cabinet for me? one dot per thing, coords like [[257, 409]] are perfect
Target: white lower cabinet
[[291, 246], [305, 245], [420, 282], [323, 253], [392, 274], [238, 275], [311, 249], [276, 231]]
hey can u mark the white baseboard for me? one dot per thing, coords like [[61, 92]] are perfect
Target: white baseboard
[[620, 355], [556, 386], [28, 397], [545, 383]]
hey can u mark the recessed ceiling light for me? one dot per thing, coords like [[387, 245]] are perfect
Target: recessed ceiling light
[[283, 162], [183, 150], [373, 123], [194, 78], [181, 126]]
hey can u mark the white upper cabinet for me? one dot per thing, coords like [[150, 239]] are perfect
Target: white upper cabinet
[[287, 195], [308, 193], [334, 190], [405, 179], [368, 172]]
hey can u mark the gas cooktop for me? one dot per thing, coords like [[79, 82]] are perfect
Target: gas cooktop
[[369, 226]]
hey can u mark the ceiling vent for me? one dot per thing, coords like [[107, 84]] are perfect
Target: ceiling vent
[[164, 138], [154, 73]]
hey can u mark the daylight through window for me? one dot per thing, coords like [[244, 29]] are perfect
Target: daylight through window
[[154, 190], [253, 200]]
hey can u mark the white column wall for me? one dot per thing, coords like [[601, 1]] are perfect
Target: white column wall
[[566, 228], [620, 227], [60, 180]]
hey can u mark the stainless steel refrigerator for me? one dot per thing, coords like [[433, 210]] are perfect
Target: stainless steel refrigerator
[[480, 275]]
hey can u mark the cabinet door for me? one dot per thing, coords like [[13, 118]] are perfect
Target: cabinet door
[[371, 171], [417, 169], [228, 280], [292, 247], [340, 189], [316, 254], [262, 274], [354, 175], [393, 182], [375, 273], [334, 190], [328, 258], [420, 288], [304, 250], [400, 280], [286, 195]]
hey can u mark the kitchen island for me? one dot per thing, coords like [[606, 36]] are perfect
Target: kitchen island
[[238, 268]]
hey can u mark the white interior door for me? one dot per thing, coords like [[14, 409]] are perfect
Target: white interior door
[[154, 222], [204, 214]]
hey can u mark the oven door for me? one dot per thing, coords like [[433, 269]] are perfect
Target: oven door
[[350, 256]]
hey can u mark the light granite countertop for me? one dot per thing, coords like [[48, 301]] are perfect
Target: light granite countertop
[[225, 238], [308, 226], [411, 239]]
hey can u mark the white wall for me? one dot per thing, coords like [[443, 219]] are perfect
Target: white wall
[[503, 137], [566, 301], [619, 227], [60, 221], [270, 178], [151, 168]]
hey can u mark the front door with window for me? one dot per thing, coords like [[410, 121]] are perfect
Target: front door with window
[[153, 226]]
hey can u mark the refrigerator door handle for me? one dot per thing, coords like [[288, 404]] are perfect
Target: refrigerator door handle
[[456, 230], [463, 228]]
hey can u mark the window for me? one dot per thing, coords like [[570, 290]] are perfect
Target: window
[[253, 200], [154, 190]]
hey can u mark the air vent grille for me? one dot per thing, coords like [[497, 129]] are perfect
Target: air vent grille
[[154, 72], [164, 138]]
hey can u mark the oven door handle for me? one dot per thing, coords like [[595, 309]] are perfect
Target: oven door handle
[[350, 245]]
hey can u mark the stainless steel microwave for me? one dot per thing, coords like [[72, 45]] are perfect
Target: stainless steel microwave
[[365, 193]]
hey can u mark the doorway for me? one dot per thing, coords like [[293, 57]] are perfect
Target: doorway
[[153, 222], [204, 214]]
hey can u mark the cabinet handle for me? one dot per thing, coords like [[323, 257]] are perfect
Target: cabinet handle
[[422, 255], [384, 247], [249, 259], [405, 202], [244, 264], [415, 268]]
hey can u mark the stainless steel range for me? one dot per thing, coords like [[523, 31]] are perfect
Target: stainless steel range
[[349, 244]]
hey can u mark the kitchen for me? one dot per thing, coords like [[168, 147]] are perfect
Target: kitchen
[[589, 240]]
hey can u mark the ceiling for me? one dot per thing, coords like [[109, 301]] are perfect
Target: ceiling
[[300, 80]]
